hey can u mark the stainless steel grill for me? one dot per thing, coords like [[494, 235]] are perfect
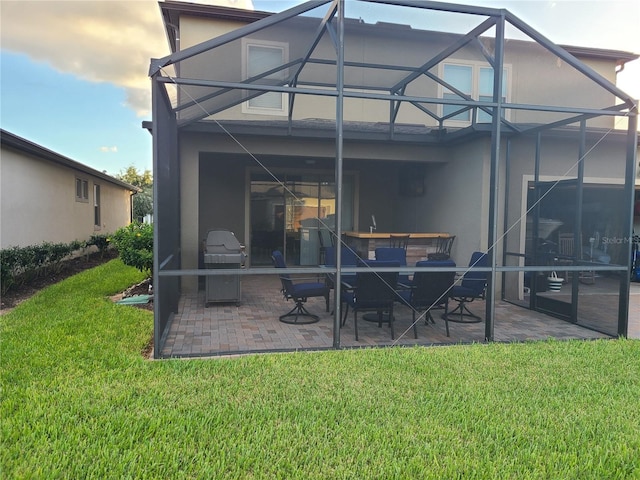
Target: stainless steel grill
[[222, 250]]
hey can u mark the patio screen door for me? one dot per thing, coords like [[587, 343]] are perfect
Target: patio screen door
[[295, 218], [553, 215], [577, 226]]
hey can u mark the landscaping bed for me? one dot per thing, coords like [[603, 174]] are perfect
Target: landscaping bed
[[18, 293]]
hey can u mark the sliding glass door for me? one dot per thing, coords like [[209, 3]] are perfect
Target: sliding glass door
[[295, 216]]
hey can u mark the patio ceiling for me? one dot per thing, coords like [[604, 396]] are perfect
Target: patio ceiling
[[327, 61]]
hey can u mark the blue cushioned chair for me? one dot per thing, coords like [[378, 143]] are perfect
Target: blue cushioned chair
[[473, 286], [373, 291], [299, 293], [429, 290], [349, 259], [394, 254]]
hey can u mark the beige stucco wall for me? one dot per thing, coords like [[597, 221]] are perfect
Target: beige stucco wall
[[194, 30], [535, 75], [457, 200], [38, 203]]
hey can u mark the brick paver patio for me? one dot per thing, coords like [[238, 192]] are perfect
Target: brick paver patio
[[253, 326]]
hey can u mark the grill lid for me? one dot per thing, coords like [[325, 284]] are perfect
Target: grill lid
[[221, 242]]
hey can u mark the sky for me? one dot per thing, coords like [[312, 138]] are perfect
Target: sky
[[74, 74]]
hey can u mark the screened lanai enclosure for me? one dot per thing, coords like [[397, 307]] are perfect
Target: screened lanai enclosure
[[312, 128]]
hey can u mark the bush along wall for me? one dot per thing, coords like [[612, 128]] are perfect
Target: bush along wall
[[21, 265]]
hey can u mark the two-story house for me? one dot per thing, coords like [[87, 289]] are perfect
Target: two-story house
[[328, 118]]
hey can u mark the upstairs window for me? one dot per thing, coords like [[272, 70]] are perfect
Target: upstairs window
[[485, 91], [474, 80], [461, 78], [261, 58], [82, 190]]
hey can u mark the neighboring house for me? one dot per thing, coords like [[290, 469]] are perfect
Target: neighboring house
[[47, 197], [404, 116]]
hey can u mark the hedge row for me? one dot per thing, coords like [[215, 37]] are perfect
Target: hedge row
[[21, 265]]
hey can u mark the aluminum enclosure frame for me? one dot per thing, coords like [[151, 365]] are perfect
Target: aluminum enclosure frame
[[167, 123]]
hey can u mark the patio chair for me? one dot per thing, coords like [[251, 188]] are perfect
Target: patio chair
[[372, 292], [299, 293], [397, 254], [443, 248], [428, 291], [349, 259], [566, 255], [399, 241], [325, 237], [472, 287]]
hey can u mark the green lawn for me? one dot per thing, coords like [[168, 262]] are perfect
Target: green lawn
[[80, 401]]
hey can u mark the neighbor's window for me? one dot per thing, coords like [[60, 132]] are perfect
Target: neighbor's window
[[475, 81], [261, 59], [96, 205], [82, 190]]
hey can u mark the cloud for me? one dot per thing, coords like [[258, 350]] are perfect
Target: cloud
[[99, 41], [112, 149], [113, 41]]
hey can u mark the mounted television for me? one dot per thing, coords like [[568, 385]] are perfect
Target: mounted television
[[411, 181]]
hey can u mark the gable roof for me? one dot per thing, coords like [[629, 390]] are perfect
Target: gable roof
[[22, 145]]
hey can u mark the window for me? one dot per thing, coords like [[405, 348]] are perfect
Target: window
[[485, 91], [82, 190], [461, 78], [474, 80], [260, 59], [96, 205]]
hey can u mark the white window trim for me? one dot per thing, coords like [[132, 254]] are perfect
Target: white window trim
[[246, 107], [475, 85]]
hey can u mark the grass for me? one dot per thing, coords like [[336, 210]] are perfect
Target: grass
[[80, 401]]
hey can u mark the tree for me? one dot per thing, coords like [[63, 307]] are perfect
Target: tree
[[143, 204], [135, 178], [142, 201]]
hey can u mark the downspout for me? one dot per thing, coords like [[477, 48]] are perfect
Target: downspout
[[131, 194]]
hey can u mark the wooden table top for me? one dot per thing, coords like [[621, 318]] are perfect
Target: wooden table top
[[385, 235]]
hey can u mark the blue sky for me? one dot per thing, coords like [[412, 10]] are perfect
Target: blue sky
[[86, 121], [79, 86]]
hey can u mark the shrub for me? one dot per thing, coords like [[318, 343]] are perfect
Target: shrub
[[101, 242], [20, 265], [135, 246], [10, 261]]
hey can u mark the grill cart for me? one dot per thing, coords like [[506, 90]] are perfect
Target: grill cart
[[223, 251]]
